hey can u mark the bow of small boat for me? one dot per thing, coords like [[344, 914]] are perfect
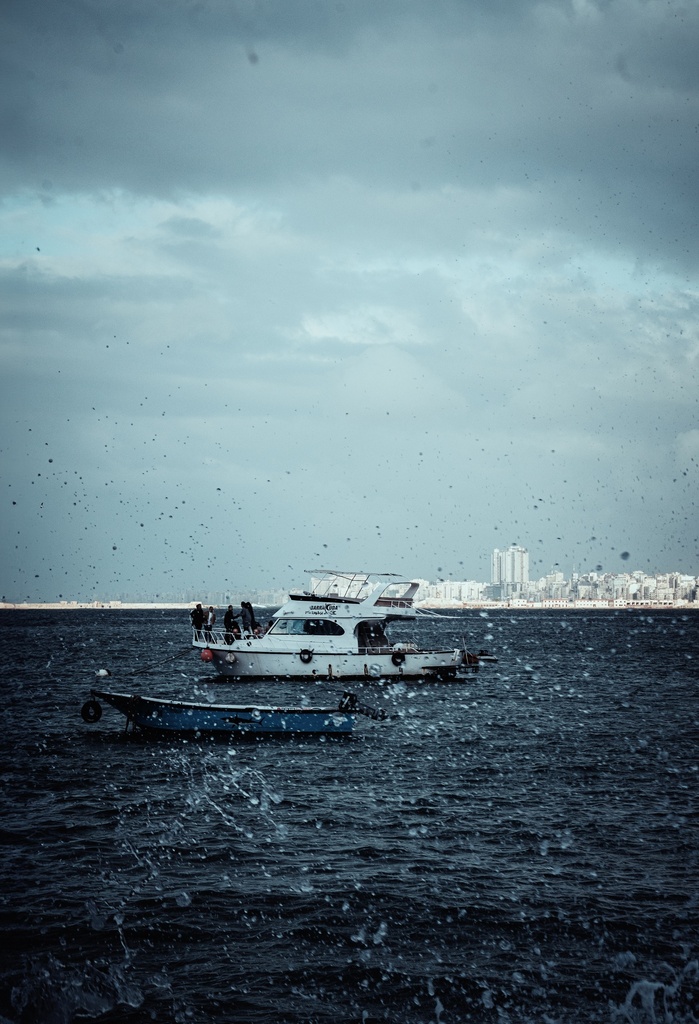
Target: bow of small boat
[[91, 710], [173, 717]]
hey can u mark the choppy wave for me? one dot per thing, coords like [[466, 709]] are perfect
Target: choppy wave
[[518, 846]]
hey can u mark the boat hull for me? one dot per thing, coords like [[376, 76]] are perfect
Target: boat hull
[[169, 717], [254, 659]]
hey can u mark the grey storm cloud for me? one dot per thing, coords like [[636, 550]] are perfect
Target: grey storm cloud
[[589, 101], [270, 268]]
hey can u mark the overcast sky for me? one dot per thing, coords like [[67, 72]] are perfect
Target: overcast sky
[[374, 285]]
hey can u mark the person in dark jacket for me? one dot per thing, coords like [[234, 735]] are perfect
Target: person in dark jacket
[[197, 617], [248, 616], [253, 621], [230, 624]]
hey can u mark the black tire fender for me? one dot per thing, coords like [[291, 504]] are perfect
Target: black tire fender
[[397, 657], [91, 711], [306, 656]]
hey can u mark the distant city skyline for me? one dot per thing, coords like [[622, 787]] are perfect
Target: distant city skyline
[[510, 582]]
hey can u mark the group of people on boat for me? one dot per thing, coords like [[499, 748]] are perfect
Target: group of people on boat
[[203, 622]]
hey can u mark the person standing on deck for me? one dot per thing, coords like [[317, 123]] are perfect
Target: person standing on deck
[[197, 617], [210, 622], [253, 621], [229, 624], [247, 616]]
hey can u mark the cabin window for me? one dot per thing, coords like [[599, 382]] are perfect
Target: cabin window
[[371, 635], [307, 627], [322, 627]]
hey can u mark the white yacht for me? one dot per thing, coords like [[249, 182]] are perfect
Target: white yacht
[[337, 629]]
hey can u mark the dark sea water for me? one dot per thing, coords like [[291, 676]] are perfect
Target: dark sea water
[[517, 846]]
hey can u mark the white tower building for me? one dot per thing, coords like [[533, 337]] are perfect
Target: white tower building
[[510, 566]]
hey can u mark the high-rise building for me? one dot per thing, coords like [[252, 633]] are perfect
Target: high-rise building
[[510, 566]]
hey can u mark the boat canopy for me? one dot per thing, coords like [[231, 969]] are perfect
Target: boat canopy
[[353, 595], [356, 587]]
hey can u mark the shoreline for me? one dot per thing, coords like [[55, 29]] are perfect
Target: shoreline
[[546, 605]]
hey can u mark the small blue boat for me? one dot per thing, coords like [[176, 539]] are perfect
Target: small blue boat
[[186, 718]]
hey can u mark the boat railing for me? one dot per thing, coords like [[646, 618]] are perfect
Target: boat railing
[[394, 602], [220, 637], [399, 648]]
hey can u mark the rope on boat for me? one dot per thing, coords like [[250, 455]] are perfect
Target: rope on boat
[[163, 661], [427, 613]]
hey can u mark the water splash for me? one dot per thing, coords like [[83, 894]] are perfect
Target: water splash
[[657, 1002]]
